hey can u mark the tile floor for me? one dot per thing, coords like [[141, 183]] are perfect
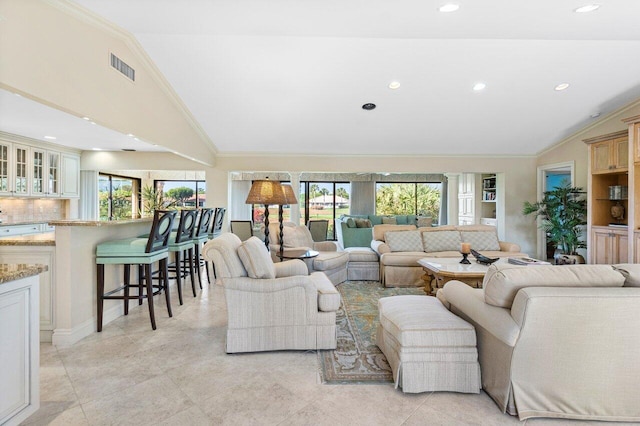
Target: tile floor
[[180, 375]]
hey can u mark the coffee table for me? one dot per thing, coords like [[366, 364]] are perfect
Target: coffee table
[[440, 270]]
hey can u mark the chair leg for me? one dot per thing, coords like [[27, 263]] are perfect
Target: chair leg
[[127, 282], [164, 268], [140, 284], [149, 282], [179, 276], [100, 273], [206, 267], [197, 262], [192, 273]]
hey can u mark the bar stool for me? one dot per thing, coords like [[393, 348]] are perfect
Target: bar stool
[[202, 236], [216, 230], [137, 251], [181, 243]]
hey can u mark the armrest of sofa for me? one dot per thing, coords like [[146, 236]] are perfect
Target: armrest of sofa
[[470, 302], [291, 268], [509, 247], [325, 246], [380, 247]]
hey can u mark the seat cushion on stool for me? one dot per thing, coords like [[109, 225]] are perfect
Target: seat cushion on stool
[[361, 254], [330, 260], [124, 247], [428, 347]]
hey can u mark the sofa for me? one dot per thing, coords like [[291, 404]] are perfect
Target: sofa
[[272, 306], [356, 230], [557, 341], [401, 246]]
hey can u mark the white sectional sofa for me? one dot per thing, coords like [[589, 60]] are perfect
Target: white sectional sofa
[[557, 341], [400, 247]]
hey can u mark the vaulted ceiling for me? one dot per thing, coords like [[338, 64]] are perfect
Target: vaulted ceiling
[[291, 76]]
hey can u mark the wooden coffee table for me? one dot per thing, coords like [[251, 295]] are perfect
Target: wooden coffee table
[[440, 270]]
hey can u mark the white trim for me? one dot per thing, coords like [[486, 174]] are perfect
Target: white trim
[[69, 336], [541, 245]]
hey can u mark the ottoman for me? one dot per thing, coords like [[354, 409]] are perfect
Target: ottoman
[[363, 264], [428, 347]]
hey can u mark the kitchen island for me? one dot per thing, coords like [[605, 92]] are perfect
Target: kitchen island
[[75, 274]]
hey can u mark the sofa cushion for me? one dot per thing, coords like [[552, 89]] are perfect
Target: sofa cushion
[[361, 254], [402, 220], [481, 240], [503, 281], [631, 273], [351, 222], [424, 222], [363, 223], [403, 241], [406, 258], [389, 220], [441, 241], [256, 259], [328, 260], [295, 236]]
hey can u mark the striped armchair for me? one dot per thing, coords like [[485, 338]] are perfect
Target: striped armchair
[[294, 310]]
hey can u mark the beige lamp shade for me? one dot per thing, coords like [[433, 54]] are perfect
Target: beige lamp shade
[[266, 192], [289, 195]]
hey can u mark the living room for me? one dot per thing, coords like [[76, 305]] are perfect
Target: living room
[[278, 92]]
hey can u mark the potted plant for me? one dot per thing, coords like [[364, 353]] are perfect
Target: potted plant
[[563, 211]]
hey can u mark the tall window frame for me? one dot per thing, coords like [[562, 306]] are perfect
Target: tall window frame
[[199, 184], [415, 202], [136, 201]]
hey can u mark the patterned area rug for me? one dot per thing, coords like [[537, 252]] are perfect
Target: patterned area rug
[[357, 359]]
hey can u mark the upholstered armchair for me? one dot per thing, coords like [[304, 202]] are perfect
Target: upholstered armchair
[[330, 261], [272, 306]]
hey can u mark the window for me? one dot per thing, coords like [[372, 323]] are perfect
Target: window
[[118, 197], [183, 193], [421, 199]]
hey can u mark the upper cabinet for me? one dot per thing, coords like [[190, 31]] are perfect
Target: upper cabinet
[[38, 171], [611, 154]]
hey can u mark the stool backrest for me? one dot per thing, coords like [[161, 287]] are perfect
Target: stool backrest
[[218, 220], [160, 230], [203, 225], [242, 228], [187, 225]]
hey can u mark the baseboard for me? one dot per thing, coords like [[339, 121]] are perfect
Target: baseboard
[[45, 336], [69, 336]]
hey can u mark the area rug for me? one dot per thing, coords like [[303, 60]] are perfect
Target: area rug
[[357, 359]]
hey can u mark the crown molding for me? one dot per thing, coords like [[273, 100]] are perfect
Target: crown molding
[[12, 138], [253, 154], [88, 17]]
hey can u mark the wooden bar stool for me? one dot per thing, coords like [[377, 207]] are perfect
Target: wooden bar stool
[[216, 230], [181, 243], [137, 251], [200, 237]]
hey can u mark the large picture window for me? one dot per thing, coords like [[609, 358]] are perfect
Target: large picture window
[[118, 197], [409, 198], [183, 193]]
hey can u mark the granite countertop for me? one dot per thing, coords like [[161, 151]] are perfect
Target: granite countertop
[[98, 222], [43, 239], [16, 271], [23, 222]]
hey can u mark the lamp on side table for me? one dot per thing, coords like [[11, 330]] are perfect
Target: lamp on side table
[[266, 192]]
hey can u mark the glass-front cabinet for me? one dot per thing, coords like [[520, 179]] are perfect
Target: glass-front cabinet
[[53, 175], [21, 170], [5, 174], [46, 175], [37, 178]]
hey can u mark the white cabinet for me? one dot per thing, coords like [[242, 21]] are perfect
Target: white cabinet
[[13, 230], [468, 203], [70, 176], [19, 351], [38, 171]]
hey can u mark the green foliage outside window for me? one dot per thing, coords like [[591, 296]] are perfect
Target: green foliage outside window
[[408, 198]]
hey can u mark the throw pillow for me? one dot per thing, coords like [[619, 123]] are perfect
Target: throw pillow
[[363, 223], [424, 222], [631, 273], [256, 259], [389, 221], [481, 240], [403, 240], [351, 223], [441, 241]]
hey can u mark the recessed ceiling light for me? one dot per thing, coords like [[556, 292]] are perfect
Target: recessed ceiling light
[[18, 95], [449, 7], [368, 106], [595, 115], [136, 139], [154, 144], [131, 135], [587, 8], [93, 122], [394, 85], [97, 149], [561, 86], [53, 138], [86, 118], [479, 86]]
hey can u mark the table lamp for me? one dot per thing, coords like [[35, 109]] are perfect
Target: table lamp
[[266, 192], [290, 198]]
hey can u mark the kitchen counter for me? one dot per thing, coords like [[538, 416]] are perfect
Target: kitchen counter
[[44, 239], [23, 222], [12, 272], [99, 222]]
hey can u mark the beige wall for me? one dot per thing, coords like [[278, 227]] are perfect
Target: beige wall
[[55, 55]]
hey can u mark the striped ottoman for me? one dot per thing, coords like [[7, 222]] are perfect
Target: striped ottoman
[[427, 347], [363, 264]]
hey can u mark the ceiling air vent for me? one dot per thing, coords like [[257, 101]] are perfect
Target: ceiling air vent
[[121, 66], [128, 149]]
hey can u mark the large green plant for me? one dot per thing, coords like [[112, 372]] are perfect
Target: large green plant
[[152, 200], [563, 212]]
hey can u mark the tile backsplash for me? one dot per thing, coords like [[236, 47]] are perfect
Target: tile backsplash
[[27, 210]]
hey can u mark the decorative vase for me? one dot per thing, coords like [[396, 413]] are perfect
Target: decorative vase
[[567, 259]]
